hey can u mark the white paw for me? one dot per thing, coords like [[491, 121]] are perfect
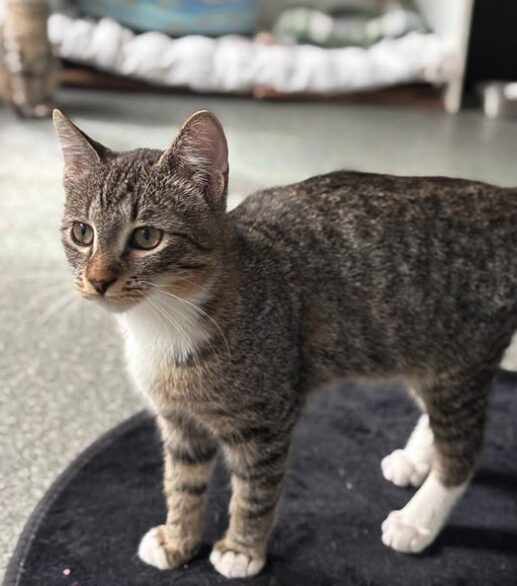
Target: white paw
[[151, 552], [402, 470], [403, 534], [232, 564]]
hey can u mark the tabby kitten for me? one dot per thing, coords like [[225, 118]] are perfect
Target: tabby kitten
[[231, 319]]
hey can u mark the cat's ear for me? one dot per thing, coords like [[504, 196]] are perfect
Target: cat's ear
[[80, 152], [201, 150]]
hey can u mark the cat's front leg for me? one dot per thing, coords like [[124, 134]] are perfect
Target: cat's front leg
[[258, 470], [189, 456]]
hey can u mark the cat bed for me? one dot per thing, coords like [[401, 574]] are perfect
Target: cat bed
[[86, 530], [239, 64]]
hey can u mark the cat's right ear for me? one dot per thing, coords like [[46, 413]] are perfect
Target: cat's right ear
[[201, 150], [80, 152]]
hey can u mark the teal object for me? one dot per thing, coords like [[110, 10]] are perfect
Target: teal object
[[179, 17]]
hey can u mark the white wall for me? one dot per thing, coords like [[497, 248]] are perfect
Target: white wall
[[448, 18], [452, 20]]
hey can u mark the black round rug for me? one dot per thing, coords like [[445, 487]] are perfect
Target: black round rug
[[87, 529]]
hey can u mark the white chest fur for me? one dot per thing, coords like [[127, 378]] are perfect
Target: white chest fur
[[509, 361], [160, 331]]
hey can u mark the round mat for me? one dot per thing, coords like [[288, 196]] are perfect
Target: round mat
[[87, 529]]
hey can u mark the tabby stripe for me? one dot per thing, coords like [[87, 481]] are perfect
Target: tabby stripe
[[269, 460], [258, 499], [467, 404], [191, 240], [242, 542], [455, 415], [260, 479], [258, 512], [458, 428], [192, 489], [455, 448], [181, 510], [271, 235], [460, 421], [261, 434], [256, 470], [186, 456]]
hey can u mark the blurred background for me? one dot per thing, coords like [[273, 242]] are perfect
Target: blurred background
[[302, 88]]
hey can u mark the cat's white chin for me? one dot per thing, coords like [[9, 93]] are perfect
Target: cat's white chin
[[116, 306]]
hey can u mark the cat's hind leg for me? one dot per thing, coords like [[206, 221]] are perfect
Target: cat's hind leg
[[457, 408], [411, 465]]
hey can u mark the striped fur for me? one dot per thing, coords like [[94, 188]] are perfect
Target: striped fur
[[346, 274]]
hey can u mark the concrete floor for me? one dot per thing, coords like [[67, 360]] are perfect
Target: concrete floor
[[63, 381]]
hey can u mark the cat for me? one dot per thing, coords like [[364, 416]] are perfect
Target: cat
[[28, 66], [232, 319]]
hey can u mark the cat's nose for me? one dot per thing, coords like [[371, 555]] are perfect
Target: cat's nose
[[102, 285]]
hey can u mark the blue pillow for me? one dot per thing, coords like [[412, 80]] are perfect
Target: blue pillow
[[179, 17]]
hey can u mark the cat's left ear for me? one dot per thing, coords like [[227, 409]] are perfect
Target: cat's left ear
[[201, 150], [80, 152]]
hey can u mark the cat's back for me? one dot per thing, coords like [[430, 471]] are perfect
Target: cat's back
[[349, 227], [365, 257], [365, 206]]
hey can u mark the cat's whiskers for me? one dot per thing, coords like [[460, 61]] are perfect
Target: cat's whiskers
[[184, 316], [163, 311], [44, 294], [189, 320], [196, 284], [190, 344], [196, 308], [65, 302], [185, 339], [198, 311]]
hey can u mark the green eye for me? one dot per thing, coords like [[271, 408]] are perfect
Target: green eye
[[146, 238], [82, 234]]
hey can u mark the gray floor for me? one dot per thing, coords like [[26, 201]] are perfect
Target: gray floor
[[63, 381]]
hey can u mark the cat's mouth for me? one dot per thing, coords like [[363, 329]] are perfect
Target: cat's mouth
[[112, 303], [116, 297], [117, 305], [122, 296]]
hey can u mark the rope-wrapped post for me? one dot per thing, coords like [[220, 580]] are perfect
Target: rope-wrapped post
[[28, 66]]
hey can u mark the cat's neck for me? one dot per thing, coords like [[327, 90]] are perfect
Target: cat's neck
[[167, 325], [179, 328]]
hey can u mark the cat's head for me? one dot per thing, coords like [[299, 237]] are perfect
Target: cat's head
[[138, 221]]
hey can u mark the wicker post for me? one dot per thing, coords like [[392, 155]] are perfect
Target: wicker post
[[28, 66]]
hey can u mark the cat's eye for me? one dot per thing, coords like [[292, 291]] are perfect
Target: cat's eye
[[146, 238], [82, 234]]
